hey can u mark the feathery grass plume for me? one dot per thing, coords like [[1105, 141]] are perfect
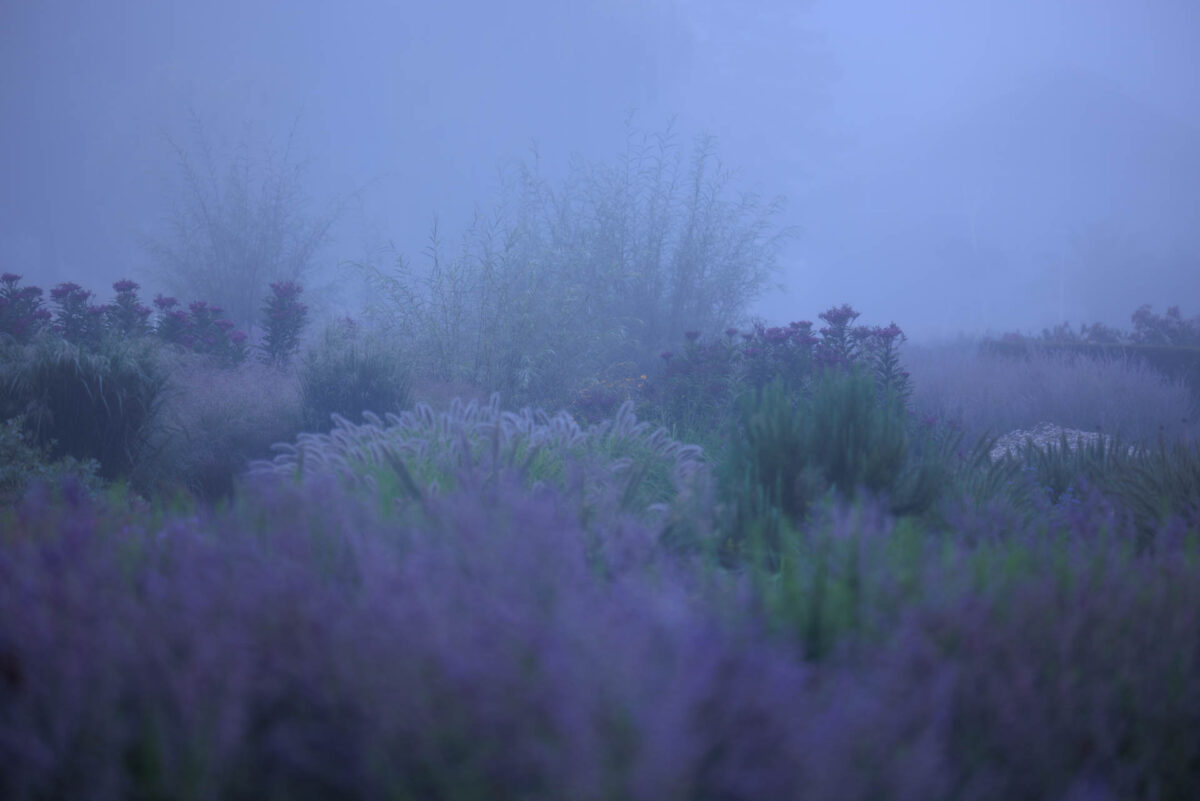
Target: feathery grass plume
[[645, 463], [87, 402], [214, 420]]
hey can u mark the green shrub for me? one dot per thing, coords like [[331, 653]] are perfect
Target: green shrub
[[348, 373], [86, 402], [1150, 484], [789, 450], [22, 462]]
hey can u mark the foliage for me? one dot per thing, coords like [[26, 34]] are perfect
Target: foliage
[[214, 420], [421, 451], [534, 651], [77, 320], [1171, 329], [126, 315], [211, 334], [173, 325], [21, 314], [556, 284], [22, 462], [200, 329], [86, 402], [696, 388], [351, 372], [1148, 329], [236, 224], [843, 435], [284, 318], [600, 396]]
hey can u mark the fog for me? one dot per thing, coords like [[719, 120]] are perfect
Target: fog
[[954, 167]]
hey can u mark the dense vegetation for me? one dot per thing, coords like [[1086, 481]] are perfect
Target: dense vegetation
[[764, 562], [837, 596]]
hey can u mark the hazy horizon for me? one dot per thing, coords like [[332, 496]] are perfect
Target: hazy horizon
[[952, 167]]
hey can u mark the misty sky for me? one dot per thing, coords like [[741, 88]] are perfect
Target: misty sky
[[949, 165]]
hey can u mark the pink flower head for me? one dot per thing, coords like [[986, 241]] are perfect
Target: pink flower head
[[66, 290], [839, 315]]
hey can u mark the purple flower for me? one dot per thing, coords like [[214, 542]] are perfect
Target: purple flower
[[66, 290], [692, 336], [125, 285], [776, 335], [666, 355], [839, 316]]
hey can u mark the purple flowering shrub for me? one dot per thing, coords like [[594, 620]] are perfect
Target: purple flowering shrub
[[76, 319], [173, 325], [79, 321], [697, 387], [284, 318], [126, 314], [21, 314], [211, 334], [493, 641]]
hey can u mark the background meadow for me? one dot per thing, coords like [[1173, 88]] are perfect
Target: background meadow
[[355, 443]]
